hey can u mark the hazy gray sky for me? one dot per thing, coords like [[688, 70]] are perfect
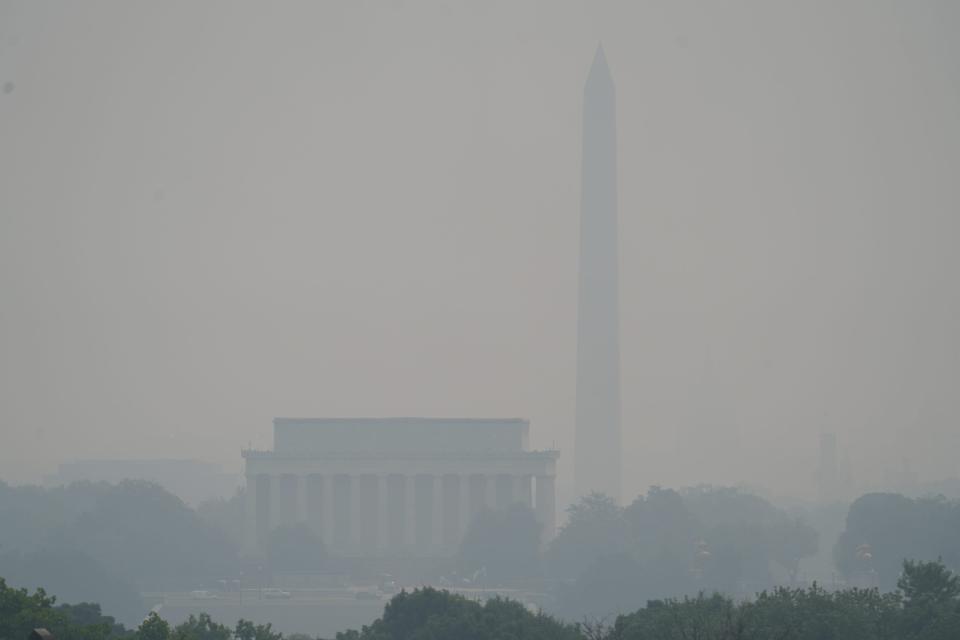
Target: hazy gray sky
[[212, 214]]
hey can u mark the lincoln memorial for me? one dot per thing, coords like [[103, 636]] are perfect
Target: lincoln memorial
[[394, 485]]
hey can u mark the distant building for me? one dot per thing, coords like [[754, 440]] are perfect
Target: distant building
[[597, 438], [192, 481], [393, 485]]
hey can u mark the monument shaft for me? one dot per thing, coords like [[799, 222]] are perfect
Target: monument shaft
[[597, 438]]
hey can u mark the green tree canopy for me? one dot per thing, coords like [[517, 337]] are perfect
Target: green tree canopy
[[153, 628], [925, 607], [200, 627], [22, 611], [429, 614], [246, 630], [74, 576]]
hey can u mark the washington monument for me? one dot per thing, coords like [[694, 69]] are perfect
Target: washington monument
[[597, 440]]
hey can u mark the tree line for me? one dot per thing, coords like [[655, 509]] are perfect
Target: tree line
[[108, 543], [925, 606]]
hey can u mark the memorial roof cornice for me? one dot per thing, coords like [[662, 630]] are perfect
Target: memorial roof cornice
[[255, 454], [400, 420]]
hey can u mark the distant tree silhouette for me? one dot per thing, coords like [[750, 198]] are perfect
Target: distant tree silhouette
[[226, 516], [595, 528], [884, 529], [671, 543], [108, 542], [503, 543]]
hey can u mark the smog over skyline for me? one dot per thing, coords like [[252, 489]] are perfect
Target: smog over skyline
[[216, 214]]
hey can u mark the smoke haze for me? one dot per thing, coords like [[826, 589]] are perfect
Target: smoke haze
[[212, 214]]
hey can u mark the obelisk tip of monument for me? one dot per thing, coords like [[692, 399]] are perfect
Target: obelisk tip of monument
[[599, 66], [599, 57]]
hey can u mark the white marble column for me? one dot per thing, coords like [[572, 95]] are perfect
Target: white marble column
[[263, 494], [275, 515], [490, 491], [326, 507], [436, 520], [383, 529], [343, 493], [250, 516], [464, 506], [517, 488], [546, 506], [409, 511], [301, 499], [525, 495], [356, 513]]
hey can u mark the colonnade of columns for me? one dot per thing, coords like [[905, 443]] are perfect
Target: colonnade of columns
[[366, 513]]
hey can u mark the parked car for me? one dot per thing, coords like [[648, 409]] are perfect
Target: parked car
[[276, 594], [203, 594]]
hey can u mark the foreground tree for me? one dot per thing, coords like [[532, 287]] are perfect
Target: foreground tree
[[429, 614], [201, 627], [74, 576], [153, 628], [21, 612], [925, 607], [246, 630], [931, 601]]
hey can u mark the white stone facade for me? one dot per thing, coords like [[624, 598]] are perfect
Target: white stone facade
[[394, 486]]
